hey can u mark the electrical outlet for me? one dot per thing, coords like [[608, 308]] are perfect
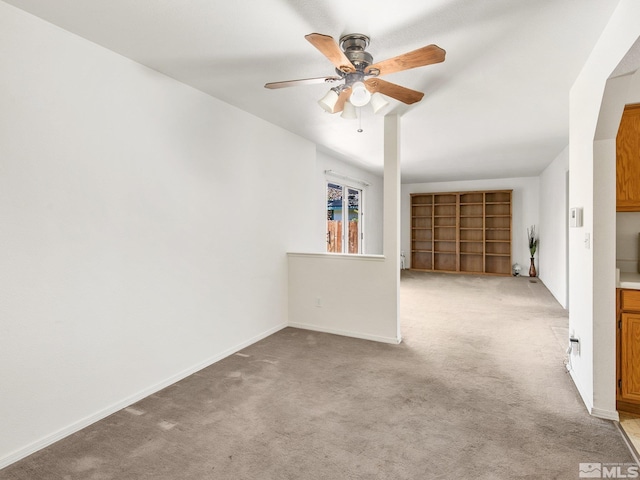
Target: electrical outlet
[[574, 345]]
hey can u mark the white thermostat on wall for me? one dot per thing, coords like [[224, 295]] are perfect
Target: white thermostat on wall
[[575, 217]]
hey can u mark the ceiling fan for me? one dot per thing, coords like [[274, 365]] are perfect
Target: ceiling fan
[[354, 65]]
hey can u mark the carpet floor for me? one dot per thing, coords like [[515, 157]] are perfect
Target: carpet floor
[[477, 390]]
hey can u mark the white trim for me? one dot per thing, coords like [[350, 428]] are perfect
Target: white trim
[[596, 412], [361, 221], [345, 210], [85, 422], [338, 256], [335, 174], [345, 333], [605, 414]]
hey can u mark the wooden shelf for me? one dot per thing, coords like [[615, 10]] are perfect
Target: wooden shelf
[[476, 226]]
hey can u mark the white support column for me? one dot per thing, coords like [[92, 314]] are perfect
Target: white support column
[[391, 228]]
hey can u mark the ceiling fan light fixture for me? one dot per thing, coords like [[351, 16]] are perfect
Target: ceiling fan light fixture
[[378, 102], [353, 64], [328, 102], [349, 111], [360, 96]]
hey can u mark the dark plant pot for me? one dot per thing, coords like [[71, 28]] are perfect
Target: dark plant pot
[[532, 269]]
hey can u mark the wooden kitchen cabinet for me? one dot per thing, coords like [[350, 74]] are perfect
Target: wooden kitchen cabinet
[[628, 161], [628, 351]]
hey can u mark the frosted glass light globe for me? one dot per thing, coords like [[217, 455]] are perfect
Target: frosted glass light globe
[[328, 102], [360, 96]]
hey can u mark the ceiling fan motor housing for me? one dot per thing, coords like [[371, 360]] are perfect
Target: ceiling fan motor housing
[[354, 45]]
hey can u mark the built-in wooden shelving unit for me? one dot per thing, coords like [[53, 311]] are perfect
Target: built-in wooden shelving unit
[[467, 232]]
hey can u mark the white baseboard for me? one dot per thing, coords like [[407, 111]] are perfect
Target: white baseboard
[[585, 398], [85, 422], [596, 412], [345, 333], [605, 414]]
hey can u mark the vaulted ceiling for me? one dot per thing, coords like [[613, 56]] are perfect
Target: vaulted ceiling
[[498, 106]]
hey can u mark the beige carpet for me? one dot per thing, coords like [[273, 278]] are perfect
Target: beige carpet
[[477, 390]]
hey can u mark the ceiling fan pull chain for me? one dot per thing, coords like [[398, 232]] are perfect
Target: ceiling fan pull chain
[[358, 110]]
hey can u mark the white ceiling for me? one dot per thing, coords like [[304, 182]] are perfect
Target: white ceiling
[[497, 107]]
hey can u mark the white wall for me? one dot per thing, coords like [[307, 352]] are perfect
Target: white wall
[[372, 201], [355, 295], [342, 294], [553, 259], [525, 205], [143, 230], [592, 186]]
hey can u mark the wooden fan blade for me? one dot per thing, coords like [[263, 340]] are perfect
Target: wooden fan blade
[[304, 81], [330, 49], [417, 58], [344, 96], [403, 94]]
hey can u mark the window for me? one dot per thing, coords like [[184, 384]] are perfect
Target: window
[[344, 219]]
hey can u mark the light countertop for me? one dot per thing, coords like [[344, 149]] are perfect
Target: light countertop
[[629, 280]]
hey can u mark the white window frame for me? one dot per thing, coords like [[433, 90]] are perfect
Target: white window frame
[[347, 182]]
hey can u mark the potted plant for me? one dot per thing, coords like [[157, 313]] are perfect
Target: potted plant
[[533, 246]]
